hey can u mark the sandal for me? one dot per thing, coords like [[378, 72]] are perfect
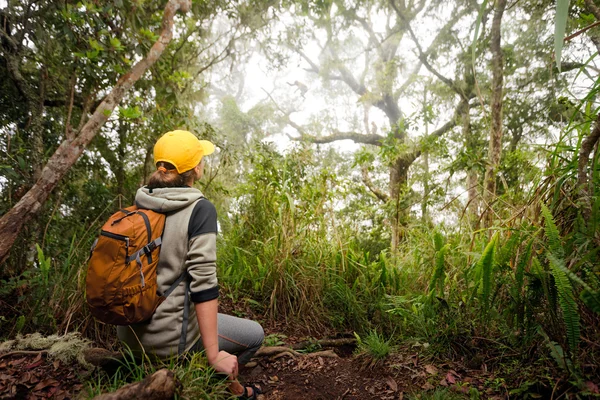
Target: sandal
[[245, 396]]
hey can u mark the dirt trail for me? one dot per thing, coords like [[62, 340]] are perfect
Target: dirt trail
[[355, 377]]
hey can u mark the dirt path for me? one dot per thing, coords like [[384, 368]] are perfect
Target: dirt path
[[355, 377], [33, 376]]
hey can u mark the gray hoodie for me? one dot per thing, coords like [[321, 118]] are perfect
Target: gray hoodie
[[188, 243]]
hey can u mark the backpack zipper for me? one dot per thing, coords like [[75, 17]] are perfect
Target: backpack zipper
[[118, 237]]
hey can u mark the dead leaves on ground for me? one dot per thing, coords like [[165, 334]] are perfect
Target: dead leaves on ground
[[34, 377]]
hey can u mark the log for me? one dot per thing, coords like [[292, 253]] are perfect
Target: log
[[161, 385]]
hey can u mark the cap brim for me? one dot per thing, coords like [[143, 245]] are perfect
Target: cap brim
[[207, 147]]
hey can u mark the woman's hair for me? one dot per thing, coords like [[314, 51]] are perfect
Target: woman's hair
[[167, 176]]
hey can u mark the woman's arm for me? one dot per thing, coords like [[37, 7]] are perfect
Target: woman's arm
[[221, 361]]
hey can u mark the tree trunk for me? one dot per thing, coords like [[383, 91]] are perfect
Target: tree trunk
[[583, 189], [161, 385], [472, 179], [424, 216], [495, 147], [121, 152], [69, 150], [398, 181]]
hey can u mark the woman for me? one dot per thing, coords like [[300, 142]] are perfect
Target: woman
[[188, 264]]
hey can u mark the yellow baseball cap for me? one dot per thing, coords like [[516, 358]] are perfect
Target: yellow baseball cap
[[182, 149]]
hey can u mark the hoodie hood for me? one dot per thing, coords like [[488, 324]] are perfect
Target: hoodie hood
[[166, 199]]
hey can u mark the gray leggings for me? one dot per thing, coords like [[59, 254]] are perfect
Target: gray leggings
[[239, 336]]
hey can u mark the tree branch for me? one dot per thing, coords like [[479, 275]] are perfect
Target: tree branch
[[356, 137], [369, 184], [69, 151]]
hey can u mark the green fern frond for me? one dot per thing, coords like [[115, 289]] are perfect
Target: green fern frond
[[438, 240], [520, 270], [437, 280], [552, 234], [504, 254], [591, 300], [566, 299], [486, 263]]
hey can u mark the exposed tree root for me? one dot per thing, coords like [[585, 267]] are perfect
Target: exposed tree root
[[324, 343], [281, 351], [323, 354], [270, 351]]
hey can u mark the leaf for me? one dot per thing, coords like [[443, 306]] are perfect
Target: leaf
[[45, 383], [560, 26], [392, 383], [431, 369], [450, 378], [592, 387]]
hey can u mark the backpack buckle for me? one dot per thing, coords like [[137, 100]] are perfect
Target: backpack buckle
[[149, 248]]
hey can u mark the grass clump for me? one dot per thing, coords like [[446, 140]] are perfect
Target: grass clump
[[374, 345], [196, 378]]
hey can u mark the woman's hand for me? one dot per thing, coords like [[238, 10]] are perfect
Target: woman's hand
[[225, 363]]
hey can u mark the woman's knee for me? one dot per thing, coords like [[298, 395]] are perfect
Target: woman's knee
[[257, 333]]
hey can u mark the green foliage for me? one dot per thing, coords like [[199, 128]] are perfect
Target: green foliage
[[485, 267], [552, 234], [373, 345], [566, 300], [562, 14], [437, 280], [274, 339], [197, 379]]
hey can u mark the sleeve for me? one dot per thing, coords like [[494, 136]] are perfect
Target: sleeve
[[201, 261]]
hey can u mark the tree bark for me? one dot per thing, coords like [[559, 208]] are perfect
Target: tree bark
[[398, 183], [424, 215], [587, 145], [472, 179], [495, 146], [161, 385], [69, 150]]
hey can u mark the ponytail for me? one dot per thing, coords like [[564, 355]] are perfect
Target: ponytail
[[167, 176]]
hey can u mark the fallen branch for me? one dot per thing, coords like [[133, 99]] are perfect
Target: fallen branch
[[161, 385], [21, 352]]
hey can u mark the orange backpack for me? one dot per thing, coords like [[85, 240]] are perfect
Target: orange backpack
[[121, 287]]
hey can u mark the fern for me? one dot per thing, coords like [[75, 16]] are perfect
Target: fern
[[520, 270], [519, 278], [552, 234], [504, 254], [437, 280], [591, 299], [486, 263], [566, 299], [438, 240]]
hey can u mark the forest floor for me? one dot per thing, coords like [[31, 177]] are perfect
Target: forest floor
[[33, 376], [338, 374]]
